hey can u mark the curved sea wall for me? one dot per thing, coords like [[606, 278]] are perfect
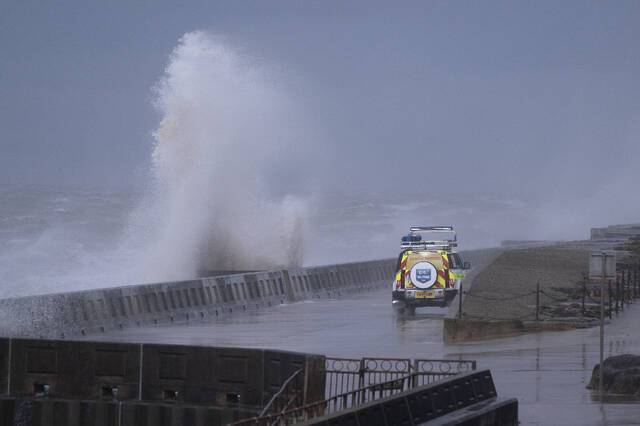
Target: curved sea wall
[[95, 311]]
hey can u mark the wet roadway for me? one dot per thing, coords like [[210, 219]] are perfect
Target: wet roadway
[[547, 371]]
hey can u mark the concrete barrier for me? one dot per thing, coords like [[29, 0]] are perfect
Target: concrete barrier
[[33, 372], [154, 414], [28, 411], [95, 311], [204, 375], [4, 366], [68, 369], [278, 367]]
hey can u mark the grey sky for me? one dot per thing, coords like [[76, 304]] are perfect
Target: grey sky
[[507, 97]]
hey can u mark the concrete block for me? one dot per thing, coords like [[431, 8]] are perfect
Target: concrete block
[[65, 369], [278, 367], [315, 377], [168, 415], [58, 412], [202, 375], [7, 411], [240, 375], [165, 414]]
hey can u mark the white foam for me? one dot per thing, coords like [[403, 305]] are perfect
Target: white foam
[[224, 126]]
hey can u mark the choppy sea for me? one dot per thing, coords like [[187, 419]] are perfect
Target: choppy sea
[[62, 239]]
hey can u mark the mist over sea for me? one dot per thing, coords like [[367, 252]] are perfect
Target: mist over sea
[[64, 239], [240, 178]]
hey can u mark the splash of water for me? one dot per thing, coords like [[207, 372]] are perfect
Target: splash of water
[[224, 130]]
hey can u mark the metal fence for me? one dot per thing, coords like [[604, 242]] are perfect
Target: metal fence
[[347, 374], [351, 382]]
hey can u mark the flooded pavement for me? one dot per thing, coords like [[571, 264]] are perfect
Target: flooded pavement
[[547, 372]]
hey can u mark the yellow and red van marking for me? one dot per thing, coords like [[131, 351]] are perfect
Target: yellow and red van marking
[[445, 259], [403, 261], [403, 266], [441, 281]]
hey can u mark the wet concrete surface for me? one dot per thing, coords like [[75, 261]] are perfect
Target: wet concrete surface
[[547, 372]]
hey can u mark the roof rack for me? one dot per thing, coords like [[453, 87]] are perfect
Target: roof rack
[[443, 245], [431, 228], [450, 234], [444, 242]]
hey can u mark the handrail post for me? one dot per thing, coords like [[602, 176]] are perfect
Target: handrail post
[[538, 302], [621, 292], [584, 293], [609, 285], [617, 295]]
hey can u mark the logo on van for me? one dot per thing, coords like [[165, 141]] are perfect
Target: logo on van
[[423, 275]]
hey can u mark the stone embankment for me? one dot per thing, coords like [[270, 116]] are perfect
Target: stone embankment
[[533, 289]]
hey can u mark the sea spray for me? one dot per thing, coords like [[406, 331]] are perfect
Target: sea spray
[[225, 127]]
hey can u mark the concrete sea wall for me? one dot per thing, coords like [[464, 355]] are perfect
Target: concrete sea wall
[[95, 311]]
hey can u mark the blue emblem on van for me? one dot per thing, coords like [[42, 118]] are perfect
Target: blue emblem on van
[[423, 275]]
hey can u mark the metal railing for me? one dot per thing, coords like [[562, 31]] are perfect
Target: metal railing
[[346, 374], [351, 382]]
